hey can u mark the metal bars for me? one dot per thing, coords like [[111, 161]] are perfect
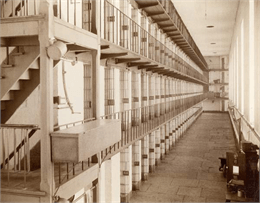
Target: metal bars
[[109, 90], [132, 127], [66, 171], [88, 107], [124, 31], [16, 149]]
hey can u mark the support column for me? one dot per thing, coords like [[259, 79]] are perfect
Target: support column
[[190, 115], [189, 118], [46, 80], [126, 174], [152, 152], [145, 157], [186, 122], [167, 140], [136, 161], [170, 135], [109, 183], [178, 127], [162, 135], [157, 146], [174, 132], [181, 124]]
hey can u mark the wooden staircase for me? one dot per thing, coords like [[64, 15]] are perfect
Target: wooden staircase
[[19, 77]]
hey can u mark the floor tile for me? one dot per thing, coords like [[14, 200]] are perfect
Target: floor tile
[[194, 199], [189, 191], [213, 193], [189, 173], [185, 182]]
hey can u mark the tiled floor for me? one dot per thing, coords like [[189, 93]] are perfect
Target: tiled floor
[[190, 172]]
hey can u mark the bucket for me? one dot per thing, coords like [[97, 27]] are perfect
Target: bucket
[[57, 50]]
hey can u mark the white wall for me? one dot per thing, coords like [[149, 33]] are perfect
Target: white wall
[[217, 104], [245, 62], [74, 83]]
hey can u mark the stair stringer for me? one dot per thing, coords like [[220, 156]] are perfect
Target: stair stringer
[[28, 86], [21, 64]]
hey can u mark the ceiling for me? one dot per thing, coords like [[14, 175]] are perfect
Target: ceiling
[[198, 14]]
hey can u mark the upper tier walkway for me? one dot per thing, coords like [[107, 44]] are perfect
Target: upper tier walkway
[[190, 172]]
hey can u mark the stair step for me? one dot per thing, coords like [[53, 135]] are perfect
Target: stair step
[[7, 66], [16, 86], [35, 64], [22, 64], [25, 76], [8, 96]]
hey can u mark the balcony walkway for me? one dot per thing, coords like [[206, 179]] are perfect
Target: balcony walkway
[[190, 172]]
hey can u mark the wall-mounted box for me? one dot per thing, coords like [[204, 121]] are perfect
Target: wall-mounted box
[[80, 142]]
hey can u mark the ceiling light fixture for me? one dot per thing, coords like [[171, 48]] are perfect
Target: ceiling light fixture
[[210, 26], [213, 43]]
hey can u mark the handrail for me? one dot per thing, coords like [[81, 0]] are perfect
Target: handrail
[[188, 38], [133, 130], [73, 123], [16, 149], [247, 123], [69, 169], [33, 128], [147, 39], [153, 105], [23, 126], [13, 8]]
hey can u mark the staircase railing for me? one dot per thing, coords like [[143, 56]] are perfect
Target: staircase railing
[[125, 32], [16, 148], [18, 8], [138, 122]]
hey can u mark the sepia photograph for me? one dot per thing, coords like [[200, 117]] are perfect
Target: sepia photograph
[[129, 101]]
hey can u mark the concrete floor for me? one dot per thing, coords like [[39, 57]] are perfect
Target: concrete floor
[[190, 172]]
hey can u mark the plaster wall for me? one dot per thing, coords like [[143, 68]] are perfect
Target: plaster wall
[[245, 62]]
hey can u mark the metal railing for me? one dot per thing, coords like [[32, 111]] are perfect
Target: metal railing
[[75, 12], [123, 31], [244, 129], [16, 149], [66, 171], [172, 12], [135, 123], [19, 8]]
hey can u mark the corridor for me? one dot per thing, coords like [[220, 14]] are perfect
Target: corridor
[[190, 172]]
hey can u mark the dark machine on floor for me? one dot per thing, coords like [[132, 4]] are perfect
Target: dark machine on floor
[[242, 173]]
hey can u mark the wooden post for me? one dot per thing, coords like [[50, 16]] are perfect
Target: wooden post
[[46, 82]]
